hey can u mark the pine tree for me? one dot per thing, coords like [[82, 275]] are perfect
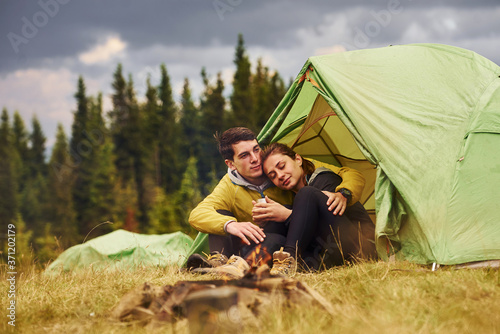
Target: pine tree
[[268, 90], [151, 130], [188, 195], [120, 117], [241, 99], [79, 146], [81, 149], [8, 187], [33, 198], [100, 172], [60, 208], [212, 107], [21, 159], [168, 137], [189, 124], [261, 96], [37, 150], [278, 90], [139, 153]]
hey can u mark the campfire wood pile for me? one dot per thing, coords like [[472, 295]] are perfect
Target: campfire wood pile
[[210, 304]]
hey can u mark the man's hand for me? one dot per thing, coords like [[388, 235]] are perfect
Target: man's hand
[[245, 230], [336, 202], [270, 211]]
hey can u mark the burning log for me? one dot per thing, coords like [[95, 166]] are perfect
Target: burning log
[[210, 304]]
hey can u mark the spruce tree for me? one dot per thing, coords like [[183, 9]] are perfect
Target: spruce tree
[[8, 187], [151, 130], [81, 150], [37, 149], [120, 117], [189, 124], [139, 152], [33, 198], [168, 136], [101, 196], [189, 194], [212, 107], [79, 145], [60, 208], [241, 99], [261, 96], [20, 152]]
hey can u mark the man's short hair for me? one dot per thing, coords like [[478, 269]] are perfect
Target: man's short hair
[[232, 136]]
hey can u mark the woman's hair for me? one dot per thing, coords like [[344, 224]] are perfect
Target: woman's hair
[[307, 165]]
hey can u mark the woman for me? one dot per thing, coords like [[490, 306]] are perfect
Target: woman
[[324, 229]]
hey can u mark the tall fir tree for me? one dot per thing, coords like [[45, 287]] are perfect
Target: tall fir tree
[[120, 117], [189, 194], [60, 209], [261, 96], [241, 98], [102, 170], [77, 145], [81, 150], [268, 90], [151, 130], [34, 197], [278, 90], [168, 137], [213, 116], [139, 153], [8, 187], [20, 140], [37, 149], [190, 124], [125, 113]]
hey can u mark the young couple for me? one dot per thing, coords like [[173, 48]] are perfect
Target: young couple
[[311, 211]]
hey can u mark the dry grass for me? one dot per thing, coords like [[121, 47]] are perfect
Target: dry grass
[[373, 297]]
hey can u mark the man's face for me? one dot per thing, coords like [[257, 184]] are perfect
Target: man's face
[[246, 161]]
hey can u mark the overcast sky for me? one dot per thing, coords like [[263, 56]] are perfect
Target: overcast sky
[[46, 44]]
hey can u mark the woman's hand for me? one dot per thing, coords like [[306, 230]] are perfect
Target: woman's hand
[[336, 202], [270, 211]]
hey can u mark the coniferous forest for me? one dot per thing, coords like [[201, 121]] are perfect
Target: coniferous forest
[[141, 166]]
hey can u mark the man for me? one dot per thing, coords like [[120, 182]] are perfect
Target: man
[[226, 214]]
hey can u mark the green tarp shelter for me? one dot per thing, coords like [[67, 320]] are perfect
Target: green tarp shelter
[[124, 250], [422, 123]]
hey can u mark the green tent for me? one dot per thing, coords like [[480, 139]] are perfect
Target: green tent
[[122, 249], [422, 123]]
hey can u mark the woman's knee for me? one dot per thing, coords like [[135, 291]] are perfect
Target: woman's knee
[[307, 193]]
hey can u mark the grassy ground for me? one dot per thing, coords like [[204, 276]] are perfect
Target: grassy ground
[[370, 297]]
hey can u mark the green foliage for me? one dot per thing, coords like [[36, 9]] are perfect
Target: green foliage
[[213, 116], [8, 186], [60, 182], [189, 194], [24, 250], [48, 247], [123, 101], [143, 165], [168, 136], [242, 99], [37, 150], [163, 218]]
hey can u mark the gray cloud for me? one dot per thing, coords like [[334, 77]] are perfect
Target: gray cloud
[[186, 35]]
